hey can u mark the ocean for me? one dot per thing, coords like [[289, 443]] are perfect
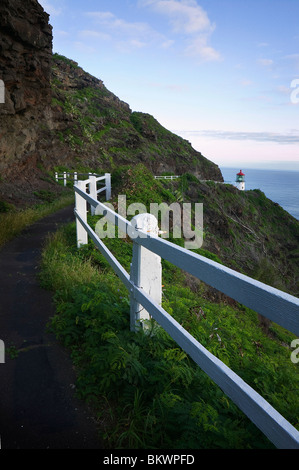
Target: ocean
[[279, 186]]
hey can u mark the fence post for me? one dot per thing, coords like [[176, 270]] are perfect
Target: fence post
[[93, 191], [146, 271], [108, 186], [2, 92], [81, 208], [2, 352], [56, 176], [64, 178], [75, 177]]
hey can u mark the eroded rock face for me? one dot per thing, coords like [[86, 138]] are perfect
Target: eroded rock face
[[56, 114], [25, 68]]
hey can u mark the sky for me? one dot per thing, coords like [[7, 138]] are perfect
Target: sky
[[223, 74]]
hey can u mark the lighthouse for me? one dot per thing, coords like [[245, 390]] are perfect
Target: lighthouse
[[240, 180]]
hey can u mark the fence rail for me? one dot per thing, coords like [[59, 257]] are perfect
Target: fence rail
[[171, 177], [148, 249], [92, 182], [65, 176]]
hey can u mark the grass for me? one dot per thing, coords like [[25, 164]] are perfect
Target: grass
[[65, 270], [145, 389], [12, 223]]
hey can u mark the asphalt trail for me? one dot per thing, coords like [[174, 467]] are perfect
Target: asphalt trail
[[38, 409]]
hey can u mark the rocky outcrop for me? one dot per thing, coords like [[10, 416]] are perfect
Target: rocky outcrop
[[102, 129], [56, 114], [25, 68]]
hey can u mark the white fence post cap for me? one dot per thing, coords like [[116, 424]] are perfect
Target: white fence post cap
[[147, 223]]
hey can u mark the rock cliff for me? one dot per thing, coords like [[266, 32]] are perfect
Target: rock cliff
[[25, 68], [55, 114]]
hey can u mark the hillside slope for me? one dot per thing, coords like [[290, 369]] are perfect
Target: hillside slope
[[91, 124], [244, 230], [148, 383], [55, 114]]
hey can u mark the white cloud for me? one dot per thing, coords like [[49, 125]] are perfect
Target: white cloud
[[292, 56], [283, 89], [101, 15], [293, 60], [112, 22], [62, 33], [198, 47], [94, 35], [129, 45], [126, 35], [49, 8], [291, 137], [246, 82], [167, 43], [265, 62], [170, 87], [80, 46], [188, 18]]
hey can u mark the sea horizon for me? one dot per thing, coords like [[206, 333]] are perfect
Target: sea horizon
[[281, 186]]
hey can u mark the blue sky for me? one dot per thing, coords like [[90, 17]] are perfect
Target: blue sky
[[220, 73]]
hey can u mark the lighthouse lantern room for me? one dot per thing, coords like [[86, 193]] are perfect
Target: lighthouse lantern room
[[240, 180]]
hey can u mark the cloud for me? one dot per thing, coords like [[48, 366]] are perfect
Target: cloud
[[189, 19], [198, 47], [246, 82], [289, 138], [265, 62], [126, 35], [49, 8], [283, 90], [293, 59], [167, 43], [170, 87], [127, 46], [94, 35], [185, 16], [62, 33], [80, 46], [292, 56], [109, 20]]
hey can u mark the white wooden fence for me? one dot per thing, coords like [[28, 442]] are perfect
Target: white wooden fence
[[65, 176], [145, 297], [171, 177]]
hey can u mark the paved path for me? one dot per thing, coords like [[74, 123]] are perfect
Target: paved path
[[38, 409]]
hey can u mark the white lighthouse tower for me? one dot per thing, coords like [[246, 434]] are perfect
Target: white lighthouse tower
[[240, 180]]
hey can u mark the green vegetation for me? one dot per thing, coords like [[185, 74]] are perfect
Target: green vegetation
[[13, 221], [5, 207], [45, 195], [60, 57], [95, 122], [146, 391]]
